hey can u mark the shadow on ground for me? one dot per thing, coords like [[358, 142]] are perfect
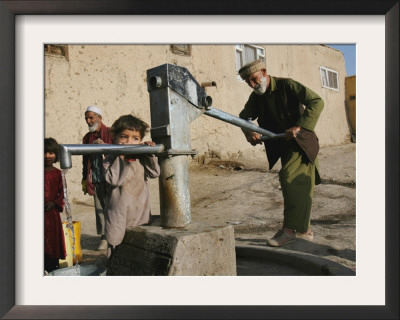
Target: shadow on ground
[[90, 254], [89, 242]]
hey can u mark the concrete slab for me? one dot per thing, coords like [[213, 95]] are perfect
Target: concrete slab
[[199, 249], [267, 261]]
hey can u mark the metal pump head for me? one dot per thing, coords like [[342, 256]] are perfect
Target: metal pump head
[[176, 99]]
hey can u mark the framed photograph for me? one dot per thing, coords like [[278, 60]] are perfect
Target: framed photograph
[[372, 25]]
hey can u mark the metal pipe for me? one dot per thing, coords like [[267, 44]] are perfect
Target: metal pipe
[[245, 124], [263, 138], [174, 191], [66, 150]]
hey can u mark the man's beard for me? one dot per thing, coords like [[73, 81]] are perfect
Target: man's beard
[[262, 87], [94, 127]]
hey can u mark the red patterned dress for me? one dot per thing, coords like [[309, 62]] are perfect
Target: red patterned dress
[[54, 245]]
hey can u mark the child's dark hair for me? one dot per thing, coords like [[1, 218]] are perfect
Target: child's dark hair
[[51, 145], [131, 123]]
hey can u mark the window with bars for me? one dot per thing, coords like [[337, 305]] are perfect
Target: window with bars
[[329, 78], [56, 50], [182, 49], [246, 53]]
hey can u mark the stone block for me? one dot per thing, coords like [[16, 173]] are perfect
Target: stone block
[[196, 250]]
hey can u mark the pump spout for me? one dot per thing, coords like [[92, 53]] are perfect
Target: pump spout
[[65, 157], [66, 150]]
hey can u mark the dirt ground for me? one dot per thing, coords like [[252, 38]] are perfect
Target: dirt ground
[[247, 195]]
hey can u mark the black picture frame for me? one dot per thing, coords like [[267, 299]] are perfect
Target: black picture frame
[[8, 11]]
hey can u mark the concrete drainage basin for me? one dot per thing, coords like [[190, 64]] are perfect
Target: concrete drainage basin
[[265, 261]]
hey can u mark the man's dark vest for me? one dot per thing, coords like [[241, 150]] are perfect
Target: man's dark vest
[[290, 112]]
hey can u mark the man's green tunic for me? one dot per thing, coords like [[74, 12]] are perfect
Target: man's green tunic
[[285, 104]]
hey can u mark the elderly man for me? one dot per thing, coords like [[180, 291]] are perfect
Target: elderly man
[[93, 181], [285, 105]]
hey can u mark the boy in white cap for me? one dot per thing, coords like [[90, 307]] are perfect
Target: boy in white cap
[[93, 181]]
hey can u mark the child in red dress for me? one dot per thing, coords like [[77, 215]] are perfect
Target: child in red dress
[[54, 245]]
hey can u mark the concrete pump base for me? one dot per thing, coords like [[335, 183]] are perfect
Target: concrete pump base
[[196, 250]]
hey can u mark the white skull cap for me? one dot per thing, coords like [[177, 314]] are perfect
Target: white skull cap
[[94, 109]]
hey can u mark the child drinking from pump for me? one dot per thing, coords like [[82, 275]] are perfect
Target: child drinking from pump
[[127, 200], [54, 245]]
